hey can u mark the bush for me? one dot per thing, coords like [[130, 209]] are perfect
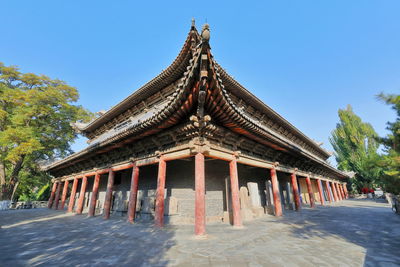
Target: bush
[[44, 193], [24, 197]]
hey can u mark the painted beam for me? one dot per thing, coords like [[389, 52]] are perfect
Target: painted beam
[[168, 156], [224, 154]]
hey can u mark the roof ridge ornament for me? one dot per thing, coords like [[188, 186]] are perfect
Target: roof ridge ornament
[[193, 24], [205, 33]]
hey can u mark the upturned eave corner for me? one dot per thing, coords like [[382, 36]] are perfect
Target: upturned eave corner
[[201, 101], [167, 76]]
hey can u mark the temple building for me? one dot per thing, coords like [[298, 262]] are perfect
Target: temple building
[[193, 146]]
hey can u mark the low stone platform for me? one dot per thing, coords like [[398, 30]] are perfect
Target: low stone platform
[[350, 233]]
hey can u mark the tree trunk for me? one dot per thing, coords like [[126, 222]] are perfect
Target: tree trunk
[[13, 181], [2, 180], [14, 189]]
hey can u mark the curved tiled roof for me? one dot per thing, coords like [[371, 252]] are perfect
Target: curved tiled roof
[[166, 77], [179, 104], [174, 71], [176, 107], [232, 85]]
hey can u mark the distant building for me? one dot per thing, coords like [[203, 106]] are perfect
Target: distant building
[[193, 146]]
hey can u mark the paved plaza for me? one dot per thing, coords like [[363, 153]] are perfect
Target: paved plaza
[[350, 233]]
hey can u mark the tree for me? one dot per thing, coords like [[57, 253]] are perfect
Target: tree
[[391, 160], [355, 144], [36, 113]]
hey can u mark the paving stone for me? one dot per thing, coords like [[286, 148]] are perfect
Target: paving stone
[[349, 233]]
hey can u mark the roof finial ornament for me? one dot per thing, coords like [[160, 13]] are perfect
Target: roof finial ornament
[[193, 23], [205, 33]]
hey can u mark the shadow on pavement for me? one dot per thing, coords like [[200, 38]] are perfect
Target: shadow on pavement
[[374, 227], [77, 240]]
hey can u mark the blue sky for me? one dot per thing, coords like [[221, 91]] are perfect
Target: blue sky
[[305, 59]]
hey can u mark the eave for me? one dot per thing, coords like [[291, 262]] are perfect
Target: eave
[[172, 73], [178, 106], [183, 101], [237, 89]]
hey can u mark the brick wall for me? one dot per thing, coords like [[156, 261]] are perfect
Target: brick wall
[[180, 186]]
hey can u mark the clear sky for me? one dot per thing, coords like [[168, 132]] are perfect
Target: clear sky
[[305, 59]]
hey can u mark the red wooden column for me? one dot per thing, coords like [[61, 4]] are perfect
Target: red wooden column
[[93, 199], [335, 195], [296, 195], [310, 192], [276, 194], [133, 194], [345, 190], [72, 196], [234, 178], [338, 191], [329, 191], [108, 198], [200, 200], [81, 195], [52, 195], [57, 196], [333, 192], [321, 192], [64, 194], [342, 190], [159, 213]]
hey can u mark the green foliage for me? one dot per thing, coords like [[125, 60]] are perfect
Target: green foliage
[[36, 113], [44, 193], [31, 180], [392, 140], [24, 197], [355, 144], [391, 160]]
